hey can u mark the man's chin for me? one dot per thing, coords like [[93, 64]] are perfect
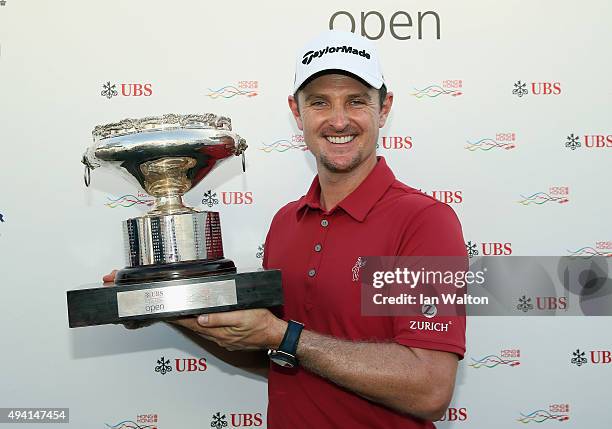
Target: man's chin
[[340, 166]]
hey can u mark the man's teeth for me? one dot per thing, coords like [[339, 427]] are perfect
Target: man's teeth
[[340, 140]]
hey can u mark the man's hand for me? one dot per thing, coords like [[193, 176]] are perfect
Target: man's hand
[[233, 330], [254, 329], [110, 277]]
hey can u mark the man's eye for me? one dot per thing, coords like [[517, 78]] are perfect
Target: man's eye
[[317, 103], [357, 102]]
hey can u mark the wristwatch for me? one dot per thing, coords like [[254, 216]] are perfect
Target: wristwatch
[[285, 355]]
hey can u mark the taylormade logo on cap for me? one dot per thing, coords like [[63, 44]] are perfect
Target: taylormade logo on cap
[[308, 56], [338, 50]]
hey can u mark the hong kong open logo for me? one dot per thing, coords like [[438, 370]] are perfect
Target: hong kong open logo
[[554, 412], [446, 88], [241, 89], [501, 141], [555, 195], [295, 142], [505, 358], [600, 248]]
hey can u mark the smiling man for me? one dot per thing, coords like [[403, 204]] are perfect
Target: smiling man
[[331, 366]]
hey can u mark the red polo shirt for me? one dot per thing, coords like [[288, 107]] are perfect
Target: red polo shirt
[[318, 254]]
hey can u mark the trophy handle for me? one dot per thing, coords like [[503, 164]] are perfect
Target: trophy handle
[[241, 147], [88, 167]]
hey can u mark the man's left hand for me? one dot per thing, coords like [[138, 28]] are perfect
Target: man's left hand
[[239, 330]]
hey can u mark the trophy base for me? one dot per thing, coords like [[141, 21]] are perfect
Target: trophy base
[[167, 299], [174, 271]]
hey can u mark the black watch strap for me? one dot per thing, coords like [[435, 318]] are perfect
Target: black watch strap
[[291, 338]]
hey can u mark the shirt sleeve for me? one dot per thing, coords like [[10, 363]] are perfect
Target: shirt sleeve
[[434, 231]]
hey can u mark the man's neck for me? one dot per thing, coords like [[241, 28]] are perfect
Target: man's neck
[[337, 186]]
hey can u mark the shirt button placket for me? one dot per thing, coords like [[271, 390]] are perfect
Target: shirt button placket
[[315, 262]]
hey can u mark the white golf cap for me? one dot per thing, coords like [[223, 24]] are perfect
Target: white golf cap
[[339, 50]]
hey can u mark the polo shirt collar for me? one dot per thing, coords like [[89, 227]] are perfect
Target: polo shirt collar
[[359, 202]]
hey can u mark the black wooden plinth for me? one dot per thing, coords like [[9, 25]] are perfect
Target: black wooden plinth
[[98, 306]]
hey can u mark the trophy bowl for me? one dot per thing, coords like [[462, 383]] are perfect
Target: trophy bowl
[[175, 264]]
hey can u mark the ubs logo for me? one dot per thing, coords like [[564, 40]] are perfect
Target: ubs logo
[[490, 248], [453, 414], [211, 199], [588, 141], [395, 142], [260, 251], [536, 88], [526, 303], [237, 420], [110, 90], [595, 357], [178, 365]]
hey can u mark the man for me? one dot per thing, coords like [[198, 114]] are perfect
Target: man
[[349, 370]]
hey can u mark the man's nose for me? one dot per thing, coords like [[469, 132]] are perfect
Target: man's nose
[[339, 119]]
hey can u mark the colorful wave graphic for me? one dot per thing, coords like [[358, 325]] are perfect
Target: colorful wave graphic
[[540, 198], [129, 424], [588, 252], [433, 91], [127, 200], [540, 416], [283, 146], [229, 91], [491, 361], [488, 144]]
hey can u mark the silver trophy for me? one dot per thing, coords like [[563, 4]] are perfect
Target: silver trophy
[[174, 254]]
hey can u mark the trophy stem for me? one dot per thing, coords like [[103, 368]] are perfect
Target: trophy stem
[[170, 205]]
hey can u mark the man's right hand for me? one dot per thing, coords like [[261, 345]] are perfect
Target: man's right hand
[[110, 277]]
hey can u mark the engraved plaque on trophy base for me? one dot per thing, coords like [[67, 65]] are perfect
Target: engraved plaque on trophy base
[[168, 299]]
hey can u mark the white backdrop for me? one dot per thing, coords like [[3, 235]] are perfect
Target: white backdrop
[[56, 235]]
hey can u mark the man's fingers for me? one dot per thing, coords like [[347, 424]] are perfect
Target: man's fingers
[[216, 320], [110, 277]]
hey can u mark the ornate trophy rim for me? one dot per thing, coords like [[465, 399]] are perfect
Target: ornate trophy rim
[[160, 123]]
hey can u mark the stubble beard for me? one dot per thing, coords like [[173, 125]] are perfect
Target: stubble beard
[[332, 167]]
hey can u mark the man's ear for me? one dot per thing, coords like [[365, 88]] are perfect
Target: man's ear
[[385, 109], [293, 105]]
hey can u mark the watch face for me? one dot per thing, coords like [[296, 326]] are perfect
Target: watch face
[[281, 360]]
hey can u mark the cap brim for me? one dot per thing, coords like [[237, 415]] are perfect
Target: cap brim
[[375, 82]]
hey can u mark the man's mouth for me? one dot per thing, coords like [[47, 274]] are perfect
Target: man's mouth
[[339, 139]]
